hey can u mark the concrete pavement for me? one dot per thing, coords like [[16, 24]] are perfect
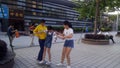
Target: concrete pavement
[[82, 56], [24, 41]]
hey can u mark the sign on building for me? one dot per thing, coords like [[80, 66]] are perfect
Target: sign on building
[[4, 11]]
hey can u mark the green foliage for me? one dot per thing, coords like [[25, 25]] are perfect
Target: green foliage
[[106, 29], [78, 30], [59, 28], [113, 17], [87, 8]]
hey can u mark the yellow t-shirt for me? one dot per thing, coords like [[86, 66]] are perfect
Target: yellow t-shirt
[[40, 31]]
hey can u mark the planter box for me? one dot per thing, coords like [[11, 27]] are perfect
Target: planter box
[[95, 42], [118, 33]]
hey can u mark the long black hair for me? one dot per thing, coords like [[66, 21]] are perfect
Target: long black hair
[[67, 23]]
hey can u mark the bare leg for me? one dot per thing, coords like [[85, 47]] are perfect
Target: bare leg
[[49, 54], [68, 50], [63, 54], [32, 39]]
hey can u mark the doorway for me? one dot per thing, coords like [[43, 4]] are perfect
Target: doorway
[[18, 24]]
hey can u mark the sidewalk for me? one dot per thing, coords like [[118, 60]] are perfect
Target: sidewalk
[[24, 41], [82, 56]]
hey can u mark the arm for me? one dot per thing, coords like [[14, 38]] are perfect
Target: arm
[[12, 30], [69, 36], [35, 30], [59, 35]]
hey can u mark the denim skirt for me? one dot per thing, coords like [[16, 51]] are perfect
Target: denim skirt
[[69, 43]]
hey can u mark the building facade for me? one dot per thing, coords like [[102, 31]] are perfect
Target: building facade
[[24, 12]]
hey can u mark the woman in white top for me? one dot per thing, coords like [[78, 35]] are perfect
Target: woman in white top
[[69, 43]]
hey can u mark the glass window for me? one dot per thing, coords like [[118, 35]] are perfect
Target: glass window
[[34, 6], [40, 14], [39, 3], [40, 7], [34, 2], [34, 13]]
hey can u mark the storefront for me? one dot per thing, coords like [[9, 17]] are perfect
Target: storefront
[[16, 18]]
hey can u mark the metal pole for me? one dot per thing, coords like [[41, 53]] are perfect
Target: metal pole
[[117, 21]]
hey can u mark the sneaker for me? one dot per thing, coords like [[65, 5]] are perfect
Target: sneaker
[[68, 66], [60, 64], [35, 58], [48, 63], [41, 62]]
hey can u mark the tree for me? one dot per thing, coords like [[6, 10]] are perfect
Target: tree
[[86, 8], [93, 9]]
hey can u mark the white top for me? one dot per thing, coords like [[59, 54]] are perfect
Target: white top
[[107, 33], [100, 32], [67, 32]]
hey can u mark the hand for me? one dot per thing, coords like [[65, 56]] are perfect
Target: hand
[[16, 30], [64, 37], [61, 37], [57, 33]]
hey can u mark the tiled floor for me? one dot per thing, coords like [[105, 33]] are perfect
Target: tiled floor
[[82, 56]]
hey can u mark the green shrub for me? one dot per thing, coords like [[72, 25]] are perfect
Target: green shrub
[[76, 29], [90, 29], [106, 29]]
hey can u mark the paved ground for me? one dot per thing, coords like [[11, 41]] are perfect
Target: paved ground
[[82, 56], [24, 41]]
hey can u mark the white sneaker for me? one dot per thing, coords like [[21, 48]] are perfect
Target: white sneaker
[[48, 63], [60, 64], [41, 62], [68, 66]]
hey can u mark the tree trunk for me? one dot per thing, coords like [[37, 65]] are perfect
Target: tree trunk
[[96, 17]]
